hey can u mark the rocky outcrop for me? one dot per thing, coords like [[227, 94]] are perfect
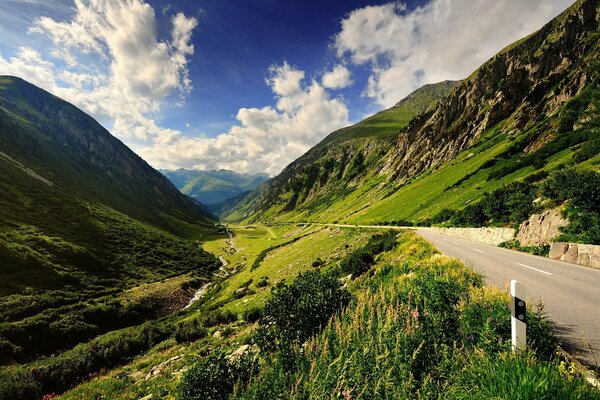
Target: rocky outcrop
[[542, 228], [521, 85], [491, 236], [575, 253]]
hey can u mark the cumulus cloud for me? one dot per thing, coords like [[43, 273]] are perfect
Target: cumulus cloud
[[266, 139], [108, 60], [338, 78], [444, 39], [132, 71]]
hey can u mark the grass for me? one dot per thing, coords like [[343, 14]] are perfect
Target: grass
[[409, 334], [420, 326], [283, 263]]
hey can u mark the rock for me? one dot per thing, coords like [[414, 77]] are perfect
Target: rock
[[149, 397], [572, 254], [541, 228], [557, 250], [240, 352], [241, 290], [218, 334], [137, 375], [582, 254]]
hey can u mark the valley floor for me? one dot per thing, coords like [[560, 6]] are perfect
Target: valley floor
[[259, 257]]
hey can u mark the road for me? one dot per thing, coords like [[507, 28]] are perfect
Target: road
[[570, 293]]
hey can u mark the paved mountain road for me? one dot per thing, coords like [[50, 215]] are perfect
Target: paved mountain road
[[570, 293]]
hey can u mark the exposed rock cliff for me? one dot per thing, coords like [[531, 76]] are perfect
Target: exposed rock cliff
[[526, 81], [541, 228]]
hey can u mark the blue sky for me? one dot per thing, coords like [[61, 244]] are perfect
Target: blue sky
[[248, 85]]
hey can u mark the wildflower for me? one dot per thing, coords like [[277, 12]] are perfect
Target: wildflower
[[347, 393], [415, 313]]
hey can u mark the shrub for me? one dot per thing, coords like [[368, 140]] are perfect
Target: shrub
[[214, 377], [218, 317], [317, 263], [302, 308], [252, 315], [357, 262], [443, 216], [189, 330], [263, 282], [581, 190]]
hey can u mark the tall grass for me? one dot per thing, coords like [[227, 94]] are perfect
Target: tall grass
[[424, 327]]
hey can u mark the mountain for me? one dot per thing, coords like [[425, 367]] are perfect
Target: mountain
[[335, 167], [530, 108], [211, 187], [82, 218]]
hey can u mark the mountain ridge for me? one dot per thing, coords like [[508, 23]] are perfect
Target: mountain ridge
[[516, 96]]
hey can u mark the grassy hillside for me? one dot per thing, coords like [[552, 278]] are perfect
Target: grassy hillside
[[527, 110], [337, 166], [417, 325], [211, 187], [82, 219]]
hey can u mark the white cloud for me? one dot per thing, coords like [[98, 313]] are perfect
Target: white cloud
[[444, 39], [109, 61], [338, 78], [266, 139]]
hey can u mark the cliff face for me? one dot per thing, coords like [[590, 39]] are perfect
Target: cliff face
[[518, 87]]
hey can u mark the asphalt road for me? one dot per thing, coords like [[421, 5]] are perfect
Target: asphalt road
[[570, 293]]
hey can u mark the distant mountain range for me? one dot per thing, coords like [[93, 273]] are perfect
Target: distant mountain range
[[212, 187]]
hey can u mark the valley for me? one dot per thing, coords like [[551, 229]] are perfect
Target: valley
[[330, 279]]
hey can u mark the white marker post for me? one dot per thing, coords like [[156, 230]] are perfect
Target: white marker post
[[518, 318]]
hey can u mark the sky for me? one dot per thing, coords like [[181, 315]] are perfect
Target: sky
[[249, 85]]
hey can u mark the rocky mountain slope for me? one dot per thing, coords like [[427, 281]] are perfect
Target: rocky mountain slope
[[521, 111], [211, 187], [341, 162]]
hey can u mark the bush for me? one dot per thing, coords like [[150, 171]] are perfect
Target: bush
[[317, 263], [581, 190], [360, 260], [263, 282], [299, 310], [357, 262], [218, 317], [252, 315], [214, 377], [189, 330], [442, 216]]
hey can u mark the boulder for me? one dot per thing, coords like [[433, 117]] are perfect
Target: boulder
[[542, 228]]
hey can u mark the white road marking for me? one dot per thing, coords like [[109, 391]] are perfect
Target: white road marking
[[535, 269], [479, 251]]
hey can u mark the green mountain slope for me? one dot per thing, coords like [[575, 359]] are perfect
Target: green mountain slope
[[340, 164], [211, 187], [529, 108], [82, 218]]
